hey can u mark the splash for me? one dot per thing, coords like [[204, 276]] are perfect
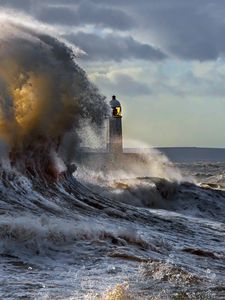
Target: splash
[[141, 179], [43, 92], [147, 162], [120, 292]]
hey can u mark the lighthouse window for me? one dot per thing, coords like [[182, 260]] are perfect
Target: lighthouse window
[[116, 111]]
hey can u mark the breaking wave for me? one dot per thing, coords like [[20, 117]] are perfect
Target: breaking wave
[[45, 97]]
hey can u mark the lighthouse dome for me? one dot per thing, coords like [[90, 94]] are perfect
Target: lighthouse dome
[[114, 103]]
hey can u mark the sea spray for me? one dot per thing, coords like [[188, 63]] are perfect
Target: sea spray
[[44, 93]]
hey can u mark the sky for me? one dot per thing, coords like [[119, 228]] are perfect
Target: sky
[[164, 60]]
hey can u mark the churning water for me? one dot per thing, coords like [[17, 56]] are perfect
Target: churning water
[[137, 238]]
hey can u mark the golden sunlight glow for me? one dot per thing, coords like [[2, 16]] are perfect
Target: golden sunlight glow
[[32, 106]]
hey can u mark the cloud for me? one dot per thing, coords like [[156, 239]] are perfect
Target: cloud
[[190, 30], [87, 13], [114, 47], [23, 5], [187, 30], [58, 15]]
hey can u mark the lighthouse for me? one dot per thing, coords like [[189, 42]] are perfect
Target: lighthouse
[[115, 144]]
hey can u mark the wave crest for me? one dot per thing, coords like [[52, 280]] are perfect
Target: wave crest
[[44, 93]]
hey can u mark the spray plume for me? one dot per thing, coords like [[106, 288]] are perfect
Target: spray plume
[[43, 92]]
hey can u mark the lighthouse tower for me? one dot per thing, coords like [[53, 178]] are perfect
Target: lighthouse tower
[[115, 127]]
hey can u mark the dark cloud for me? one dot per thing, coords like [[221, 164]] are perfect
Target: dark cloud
[[61, 16], [113, 47], [185, 29], [103, 16], [23, 5], [87, 13]]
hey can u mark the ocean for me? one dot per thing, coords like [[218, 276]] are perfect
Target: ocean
[[88, 236]]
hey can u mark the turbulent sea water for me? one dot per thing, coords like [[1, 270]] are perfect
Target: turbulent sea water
[[120, 238]]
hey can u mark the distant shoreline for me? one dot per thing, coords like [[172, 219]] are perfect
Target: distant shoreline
[[186, 154], [175, 154]]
